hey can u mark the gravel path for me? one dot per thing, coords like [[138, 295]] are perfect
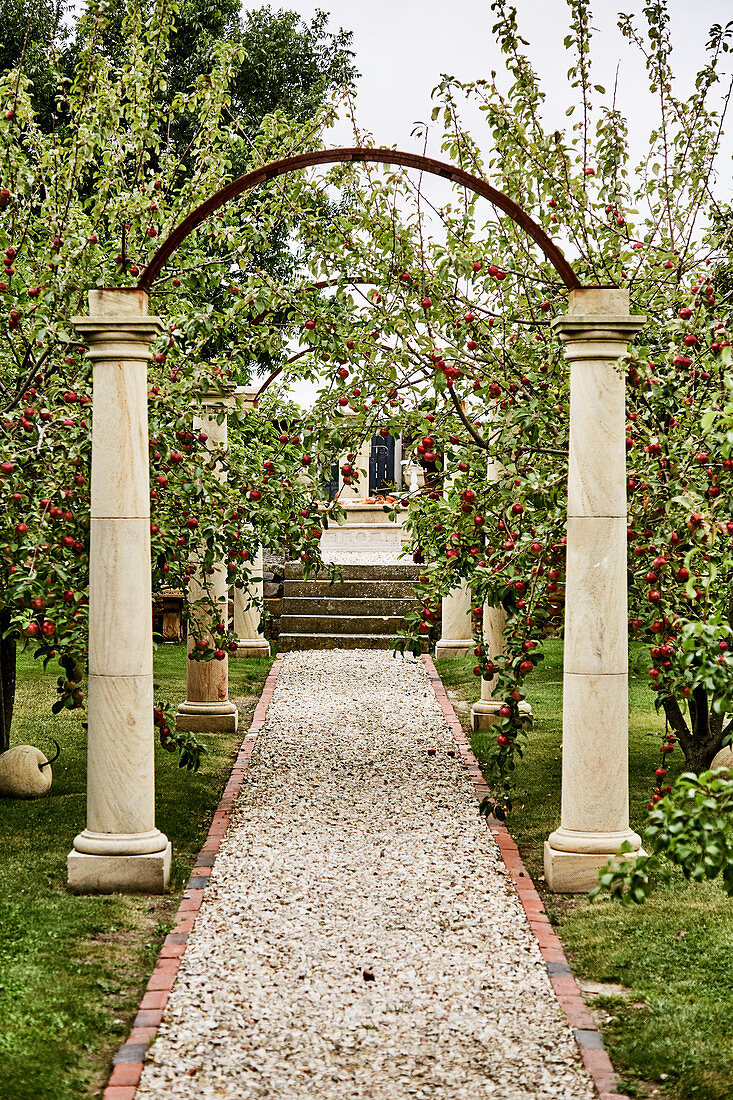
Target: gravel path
[[360, 938]]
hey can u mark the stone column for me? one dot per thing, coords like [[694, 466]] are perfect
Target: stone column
[[120, 850], [247, 601], [456, 635], [485, 711], [207, 708], [595, 798], [456, 638], [360, 490]]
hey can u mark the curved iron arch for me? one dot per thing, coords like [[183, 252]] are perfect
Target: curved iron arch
[[357, 153]]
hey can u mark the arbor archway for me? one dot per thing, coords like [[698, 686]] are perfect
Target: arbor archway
[[358, 154], [118, 332]]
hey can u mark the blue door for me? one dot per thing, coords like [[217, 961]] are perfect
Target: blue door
[[381, 464], [332, 484]]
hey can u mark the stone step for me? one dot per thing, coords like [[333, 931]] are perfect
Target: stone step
[[338, 605], [340, 624], [384, 571], [360, 589], [289, 642]]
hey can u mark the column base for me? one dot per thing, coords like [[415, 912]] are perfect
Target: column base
[[577, 872], [139, 874], [207, 717], [251, 647], [453, 647], [485, 713]]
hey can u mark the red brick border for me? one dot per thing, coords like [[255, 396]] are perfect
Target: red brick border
[[594, 1054], [127, 1064]]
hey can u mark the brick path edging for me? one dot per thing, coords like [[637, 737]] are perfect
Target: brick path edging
[[127, 1064], [587, 1035]]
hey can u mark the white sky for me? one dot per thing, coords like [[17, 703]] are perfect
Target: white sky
[[403, 46]]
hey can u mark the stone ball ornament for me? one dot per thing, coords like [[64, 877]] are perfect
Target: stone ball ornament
[[723, 759], [25, 771]]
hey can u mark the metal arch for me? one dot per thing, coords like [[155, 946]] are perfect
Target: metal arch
[[336, 156]]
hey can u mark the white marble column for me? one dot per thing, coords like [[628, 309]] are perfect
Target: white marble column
[[360, 489], [247, 604], [207, 707], [456, 637], [249, 600], [120, 850], [485, 711], [595, 797], [456, 629]]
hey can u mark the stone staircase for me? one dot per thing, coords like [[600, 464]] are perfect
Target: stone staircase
[[364, 611]]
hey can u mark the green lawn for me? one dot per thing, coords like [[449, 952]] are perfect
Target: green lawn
[[672, 1030], [72, 969]]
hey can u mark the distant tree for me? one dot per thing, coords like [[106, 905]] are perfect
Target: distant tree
[[29, 32], [285, 64]]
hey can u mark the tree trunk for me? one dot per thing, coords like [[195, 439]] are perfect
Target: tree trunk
[[702, 737], [8, 655]]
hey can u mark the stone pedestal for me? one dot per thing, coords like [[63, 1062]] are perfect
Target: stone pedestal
[[120, 849], [595, 799], [247, 604], [207, 708]]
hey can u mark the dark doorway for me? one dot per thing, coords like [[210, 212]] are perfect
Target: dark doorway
[[381, 464], [332, 485]]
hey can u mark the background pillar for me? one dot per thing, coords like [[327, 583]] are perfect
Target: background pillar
[[247, 604], [249, 600], [120, 850], [456, 638], [207, 707], [485, 711], [456, 632], [595, 796]]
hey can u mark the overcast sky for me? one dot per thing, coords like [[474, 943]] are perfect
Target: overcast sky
[[403, 46]]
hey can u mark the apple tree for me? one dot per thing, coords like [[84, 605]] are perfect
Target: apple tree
[[437, 324], [82, 205]]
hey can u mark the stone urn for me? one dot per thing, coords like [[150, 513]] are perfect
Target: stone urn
[[25, 772]]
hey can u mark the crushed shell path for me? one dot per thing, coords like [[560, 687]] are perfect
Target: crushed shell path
[[360, 936]]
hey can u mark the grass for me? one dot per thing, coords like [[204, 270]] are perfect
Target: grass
[[73, 969], [671, 1032]]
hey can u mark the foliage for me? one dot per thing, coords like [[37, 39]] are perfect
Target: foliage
[[31, 31], [283, 64], [441, 330], [690, 828]]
